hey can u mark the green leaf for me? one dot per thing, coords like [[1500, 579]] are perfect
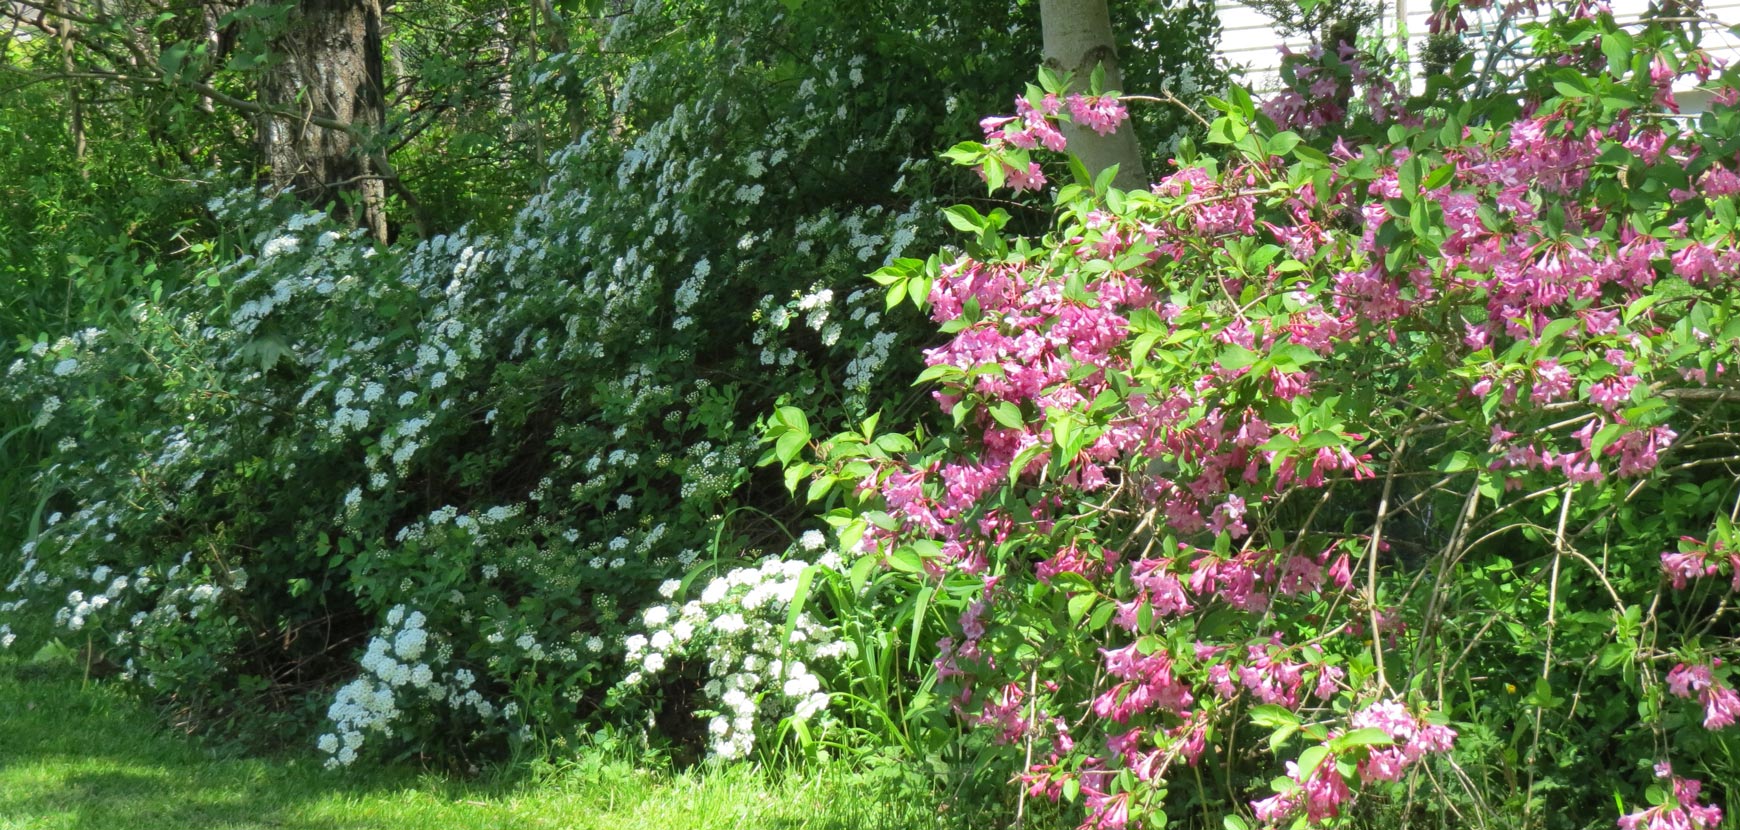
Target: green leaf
[[1557, 327], [1569, 90], [860, 575], [1102, 615], [793, 417], [1008, 414], [1606, 436], [1235, 357], [796, 473], [1617, 46], [1281, 736], [1457, 462], [896, 293], [905, 560], [1022, 459], [1272, 716], [1369, 736], [964, 218], [799, 597], [789, 445], [1283, 143], [1440, 176], [820, 488], [920, 606], [1614, 654], [1078, 607]]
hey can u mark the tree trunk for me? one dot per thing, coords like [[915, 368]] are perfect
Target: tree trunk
[[1078, 36], [329, 69], [74, 108]]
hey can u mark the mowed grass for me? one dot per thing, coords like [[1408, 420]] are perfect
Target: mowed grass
[[85, 757]]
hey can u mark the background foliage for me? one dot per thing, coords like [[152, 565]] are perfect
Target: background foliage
[[413, 499], [1373, 467]]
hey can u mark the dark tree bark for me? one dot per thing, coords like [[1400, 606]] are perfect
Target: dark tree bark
[[329, 70]]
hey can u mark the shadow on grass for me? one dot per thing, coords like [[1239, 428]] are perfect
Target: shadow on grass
[[78, 757], [90, 800]]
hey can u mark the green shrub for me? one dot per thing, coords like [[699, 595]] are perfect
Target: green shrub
[[1328, 481], [429, 489]]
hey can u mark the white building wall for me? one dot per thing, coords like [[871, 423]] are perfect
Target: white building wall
[[1248, 38]]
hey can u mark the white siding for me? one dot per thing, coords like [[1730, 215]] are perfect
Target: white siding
[[1249, 40]]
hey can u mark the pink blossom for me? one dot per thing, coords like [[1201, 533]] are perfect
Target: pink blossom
[[1683, 812], [1341, 573], [1721, 706], [1684, 680], [1552, 382], [1101, 113], [1029, 179], [1681, 568], [1383, 765]]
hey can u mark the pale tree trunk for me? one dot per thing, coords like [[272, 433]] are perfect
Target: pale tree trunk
[[75, 109], [1078, 37], [329, 70]]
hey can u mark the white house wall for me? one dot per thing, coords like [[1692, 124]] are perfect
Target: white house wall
[[1249, 40]]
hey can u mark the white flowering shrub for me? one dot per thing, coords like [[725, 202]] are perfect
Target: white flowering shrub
[[432, 489], [756, 655]]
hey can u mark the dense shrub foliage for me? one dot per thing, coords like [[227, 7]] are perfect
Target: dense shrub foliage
[[1378, 465], [496, 488]]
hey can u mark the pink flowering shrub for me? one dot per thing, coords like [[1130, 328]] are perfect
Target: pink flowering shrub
[[1329, 475], [1678, 808]]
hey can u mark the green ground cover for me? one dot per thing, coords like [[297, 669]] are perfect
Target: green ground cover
[[73, 756]]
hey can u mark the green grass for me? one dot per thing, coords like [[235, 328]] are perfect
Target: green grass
[[75, 756]]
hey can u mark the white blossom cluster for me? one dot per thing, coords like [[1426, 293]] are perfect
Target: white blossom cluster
[[736, 623], [403, 668], [710, 472], [515, 415]]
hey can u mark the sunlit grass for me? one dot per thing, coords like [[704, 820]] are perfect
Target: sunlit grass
[[78, 756]]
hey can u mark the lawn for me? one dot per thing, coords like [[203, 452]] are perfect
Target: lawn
[[78, 756]]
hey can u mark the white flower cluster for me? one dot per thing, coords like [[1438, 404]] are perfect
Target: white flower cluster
[[401, 664], [199, 596], [737, 623], [711, 472]]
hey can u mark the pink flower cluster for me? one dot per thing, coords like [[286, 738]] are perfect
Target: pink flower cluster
[[1144, 682], [1412, 738], [1323, 84], [1186, 358], [1100, 113], [1034, 125], [1319, 793], [1030, 127], [1721, 704], [1698, 559], [1683, 812]]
